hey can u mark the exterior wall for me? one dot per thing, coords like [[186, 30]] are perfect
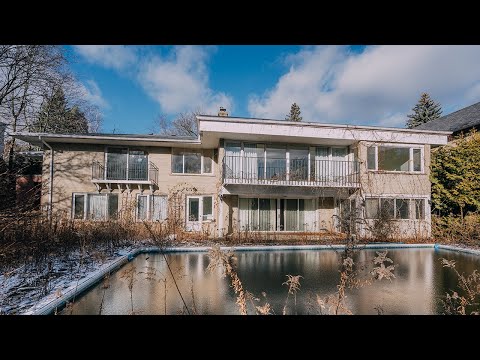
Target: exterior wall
[[398, 184], [73, 173]]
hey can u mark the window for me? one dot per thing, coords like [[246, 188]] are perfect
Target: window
[[371, 158], [402, 211], [200, 208], [151, 207], [257, 214], [419, 209], [126, 164], [95, 206], [371, 208], [398, 208], [192, 162], [394, 158], [207, 208], [78, 206]]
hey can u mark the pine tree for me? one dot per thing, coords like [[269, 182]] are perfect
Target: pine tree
[[426, 110], [56, 117], [294, 114]]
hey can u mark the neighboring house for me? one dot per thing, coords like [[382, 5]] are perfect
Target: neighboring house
[[249, 175], [460, 121]]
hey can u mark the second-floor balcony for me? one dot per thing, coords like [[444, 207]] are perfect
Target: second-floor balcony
[[128, 173], [294, 172]]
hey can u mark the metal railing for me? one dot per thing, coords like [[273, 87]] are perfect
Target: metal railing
[[141, 171], [274, 171]]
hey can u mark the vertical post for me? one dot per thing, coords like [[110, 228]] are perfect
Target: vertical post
[[220, 215], [50, 193]]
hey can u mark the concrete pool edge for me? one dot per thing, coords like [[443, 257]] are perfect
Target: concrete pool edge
[[99, 274]]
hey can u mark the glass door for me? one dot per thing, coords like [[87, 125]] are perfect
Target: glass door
[[233, 167], [117, 159]]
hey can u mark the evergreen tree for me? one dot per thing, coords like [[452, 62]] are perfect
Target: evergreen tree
[[56, 117], [426, 110], [294, 114]]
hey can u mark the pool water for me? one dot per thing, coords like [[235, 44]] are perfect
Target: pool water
[[419, 284]]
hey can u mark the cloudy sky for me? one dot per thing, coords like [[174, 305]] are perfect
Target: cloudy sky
[[367, 85]]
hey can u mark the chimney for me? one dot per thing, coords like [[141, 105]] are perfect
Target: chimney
[[222, 112]]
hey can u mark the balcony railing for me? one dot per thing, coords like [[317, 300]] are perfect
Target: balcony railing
[[141, 172], [274, 171]]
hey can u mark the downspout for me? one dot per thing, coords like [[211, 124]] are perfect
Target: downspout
[[50, 192]]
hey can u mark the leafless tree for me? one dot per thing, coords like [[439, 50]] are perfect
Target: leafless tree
[[185, 124]]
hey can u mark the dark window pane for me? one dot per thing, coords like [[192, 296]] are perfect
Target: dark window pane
[[177, 163], [142, 207], [207, 208], [417, 160], [137, 165], [371, 208], [420, 209], [192, 163], [112, 206], [371, 158], [393, 159], [193, 209], [207, 161], [299, 164], [276, 166], [79, 206], [387, 210], [402, 208], [117, 163]]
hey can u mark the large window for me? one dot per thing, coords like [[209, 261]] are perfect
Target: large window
[[151, 207], [94, 206], [192, 161], [258, 214], [394, 208], [199, 208], [394, 158], [126, 164], [278, 162]]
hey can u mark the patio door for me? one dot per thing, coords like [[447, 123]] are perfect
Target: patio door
[[233, 159], [193, 222], [117, 160]]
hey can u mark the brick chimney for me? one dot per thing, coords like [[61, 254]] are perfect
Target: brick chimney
[[222, 112]]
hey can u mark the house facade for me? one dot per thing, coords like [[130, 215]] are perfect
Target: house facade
[[247, 175]]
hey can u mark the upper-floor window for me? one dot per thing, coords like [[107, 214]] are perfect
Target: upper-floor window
[[395, 158], [126, 164], [186, 161]]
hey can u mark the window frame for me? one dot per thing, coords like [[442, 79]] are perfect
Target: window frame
[[411, 206], [133, 148], [410, 160], [149, 207], [200, 208], [202, 156], [86, 204]]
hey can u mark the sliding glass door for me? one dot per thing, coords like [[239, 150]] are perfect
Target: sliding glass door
[[277, 214]]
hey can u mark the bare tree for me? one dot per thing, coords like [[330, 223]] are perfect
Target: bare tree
[[185, 124]]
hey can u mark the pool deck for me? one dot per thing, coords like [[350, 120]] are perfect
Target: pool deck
[[48, 305]]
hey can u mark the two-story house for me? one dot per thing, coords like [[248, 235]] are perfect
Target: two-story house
[[244, 174]]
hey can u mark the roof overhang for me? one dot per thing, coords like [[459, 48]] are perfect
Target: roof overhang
[[213, 128], [36, 139]]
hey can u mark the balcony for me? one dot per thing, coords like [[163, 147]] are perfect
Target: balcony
[[296, 172], [125, 175]]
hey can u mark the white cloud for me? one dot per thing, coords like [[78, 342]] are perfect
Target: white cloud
[[110, 56], [378, 86], [91, 93], [179, 82]]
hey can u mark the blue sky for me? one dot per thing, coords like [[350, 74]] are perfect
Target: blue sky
[[369, 85]]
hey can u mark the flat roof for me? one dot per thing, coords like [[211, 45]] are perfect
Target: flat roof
[[314, 124], [102, 138]]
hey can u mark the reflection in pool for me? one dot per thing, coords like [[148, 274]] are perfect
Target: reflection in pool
[[419, 284]]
